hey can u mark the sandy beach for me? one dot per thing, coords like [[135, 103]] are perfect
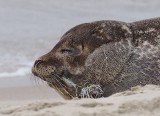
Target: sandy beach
[[141, 101]]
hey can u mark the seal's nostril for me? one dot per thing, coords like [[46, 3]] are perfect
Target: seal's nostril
[[37, 62], [35, 66], [34, 72]]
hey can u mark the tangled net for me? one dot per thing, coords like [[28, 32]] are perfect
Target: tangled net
[[92, 91]]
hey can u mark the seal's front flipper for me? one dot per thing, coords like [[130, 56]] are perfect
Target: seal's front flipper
[[108, 60]]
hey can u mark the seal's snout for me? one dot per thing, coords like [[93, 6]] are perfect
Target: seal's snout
[[42, 69], [34, 68]]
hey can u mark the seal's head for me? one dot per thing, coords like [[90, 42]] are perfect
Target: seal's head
[[63, 68]]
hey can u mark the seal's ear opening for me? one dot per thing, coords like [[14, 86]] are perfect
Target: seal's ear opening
[[71, 51]]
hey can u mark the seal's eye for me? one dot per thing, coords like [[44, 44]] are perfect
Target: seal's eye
[[70, 51], [65, 50]]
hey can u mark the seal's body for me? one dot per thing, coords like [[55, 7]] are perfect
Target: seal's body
[[101, 58]]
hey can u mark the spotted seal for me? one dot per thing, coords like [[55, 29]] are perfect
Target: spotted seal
[[101, 58]]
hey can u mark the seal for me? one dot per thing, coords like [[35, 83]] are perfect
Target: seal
[[101, 58]]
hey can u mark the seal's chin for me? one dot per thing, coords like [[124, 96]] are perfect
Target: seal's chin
[[62, 77], [63, 84]]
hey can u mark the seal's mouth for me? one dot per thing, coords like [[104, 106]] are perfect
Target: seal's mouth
[[64, 78], [50, 75]]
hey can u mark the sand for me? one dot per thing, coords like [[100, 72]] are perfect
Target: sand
[[139, 101]]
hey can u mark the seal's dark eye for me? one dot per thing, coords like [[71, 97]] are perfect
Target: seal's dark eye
[[65, 50], [70, 51]]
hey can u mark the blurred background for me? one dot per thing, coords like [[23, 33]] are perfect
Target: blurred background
[[30, 28]]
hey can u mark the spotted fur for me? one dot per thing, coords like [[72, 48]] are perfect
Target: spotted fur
[[112, 55]]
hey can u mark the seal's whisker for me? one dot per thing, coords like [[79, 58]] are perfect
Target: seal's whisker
[[62, 86], [56, 86], [57, 76], [37, 81]]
